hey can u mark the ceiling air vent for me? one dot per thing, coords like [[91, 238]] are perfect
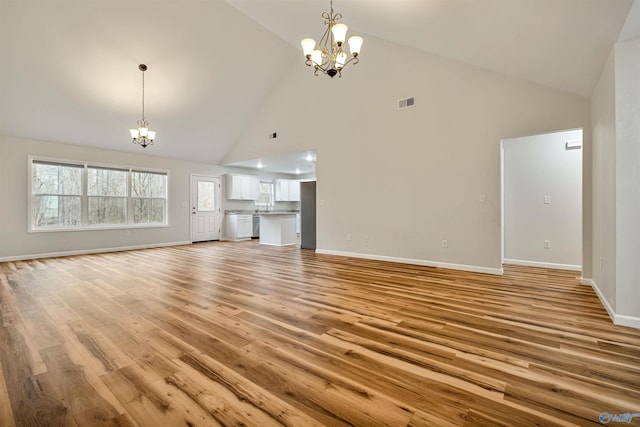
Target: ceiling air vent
[[406, 103]]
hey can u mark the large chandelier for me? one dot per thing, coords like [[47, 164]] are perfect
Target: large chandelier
[[330, 57], [142, 135]]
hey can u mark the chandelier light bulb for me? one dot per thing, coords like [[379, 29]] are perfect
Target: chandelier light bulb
[[307, 46], [339, 33], [355, 43], [316, 57]]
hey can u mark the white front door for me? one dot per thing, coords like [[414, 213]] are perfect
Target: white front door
[[205, 208]]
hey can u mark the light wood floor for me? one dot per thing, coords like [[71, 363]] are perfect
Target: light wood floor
[[241, 334]]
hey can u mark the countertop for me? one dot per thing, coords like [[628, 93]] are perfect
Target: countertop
[[261, 212]]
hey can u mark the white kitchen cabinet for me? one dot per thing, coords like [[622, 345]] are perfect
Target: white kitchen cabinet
[[238, 227], [294, 190], [242, 187], [287, 190]]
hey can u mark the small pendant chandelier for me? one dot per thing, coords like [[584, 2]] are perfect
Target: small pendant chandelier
[[142, 135], [330, 57]]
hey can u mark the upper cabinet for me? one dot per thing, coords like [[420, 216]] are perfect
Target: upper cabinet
[[287, 190], [242, 187]]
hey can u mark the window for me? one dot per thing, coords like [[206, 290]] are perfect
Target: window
[[71, 196], [265, 198], [57, 195], [107, 196], [206, 196], [149, 197]]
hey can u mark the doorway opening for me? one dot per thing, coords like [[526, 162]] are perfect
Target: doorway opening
[[541, 203]]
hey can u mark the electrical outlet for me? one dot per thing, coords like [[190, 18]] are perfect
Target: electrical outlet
[[547, 244], [348, 236], [445, 244], [482, 198], [547, 200]]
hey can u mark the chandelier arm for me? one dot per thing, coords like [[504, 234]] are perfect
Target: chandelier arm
[[353, 59]]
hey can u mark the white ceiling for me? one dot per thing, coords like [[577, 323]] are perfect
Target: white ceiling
[[557, 43], [69, 68], [299, 163]]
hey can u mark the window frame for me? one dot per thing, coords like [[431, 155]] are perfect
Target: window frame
[[84, 204]]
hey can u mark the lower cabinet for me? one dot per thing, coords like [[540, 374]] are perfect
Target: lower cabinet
[[238, 227]]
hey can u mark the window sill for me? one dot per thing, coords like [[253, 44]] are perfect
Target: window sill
[[96, 228]]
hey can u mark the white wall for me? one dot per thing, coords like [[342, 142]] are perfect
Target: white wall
[[616, 179], [604, 185], [399, 182], [17, 243], [534, 167], [627, 93]]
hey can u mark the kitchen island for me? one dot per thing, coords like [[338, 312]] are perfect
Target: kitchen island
[[278, 229]]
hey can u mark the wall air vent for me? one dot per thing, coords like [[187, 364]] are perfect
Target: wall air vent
[[406, 103]]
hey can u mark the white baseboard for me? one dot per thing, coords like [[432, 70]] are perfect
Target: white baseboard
[[426, 263], [618, 319], [543, 264], [90, 251], [630, 321]]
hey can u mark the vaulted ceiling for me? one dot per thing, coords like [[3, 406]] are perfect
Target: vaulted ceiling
[[69, 68]]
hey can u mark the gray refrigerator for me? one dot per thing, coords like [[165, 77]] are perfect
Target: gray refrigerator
[[308, 215]]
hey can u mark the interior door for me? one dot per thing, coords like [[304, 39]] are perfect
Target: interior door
[[205, 208]]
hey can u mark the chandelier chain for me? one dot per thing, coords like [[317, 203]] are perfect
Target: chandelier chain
[[143, 96]]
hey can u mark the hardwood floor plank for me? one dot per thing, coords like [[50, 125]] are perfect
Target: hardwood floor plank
[[36, 402], [255, 400], [6, 413], [151, 401], [237, 333], [346, 401], [87, 407]]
